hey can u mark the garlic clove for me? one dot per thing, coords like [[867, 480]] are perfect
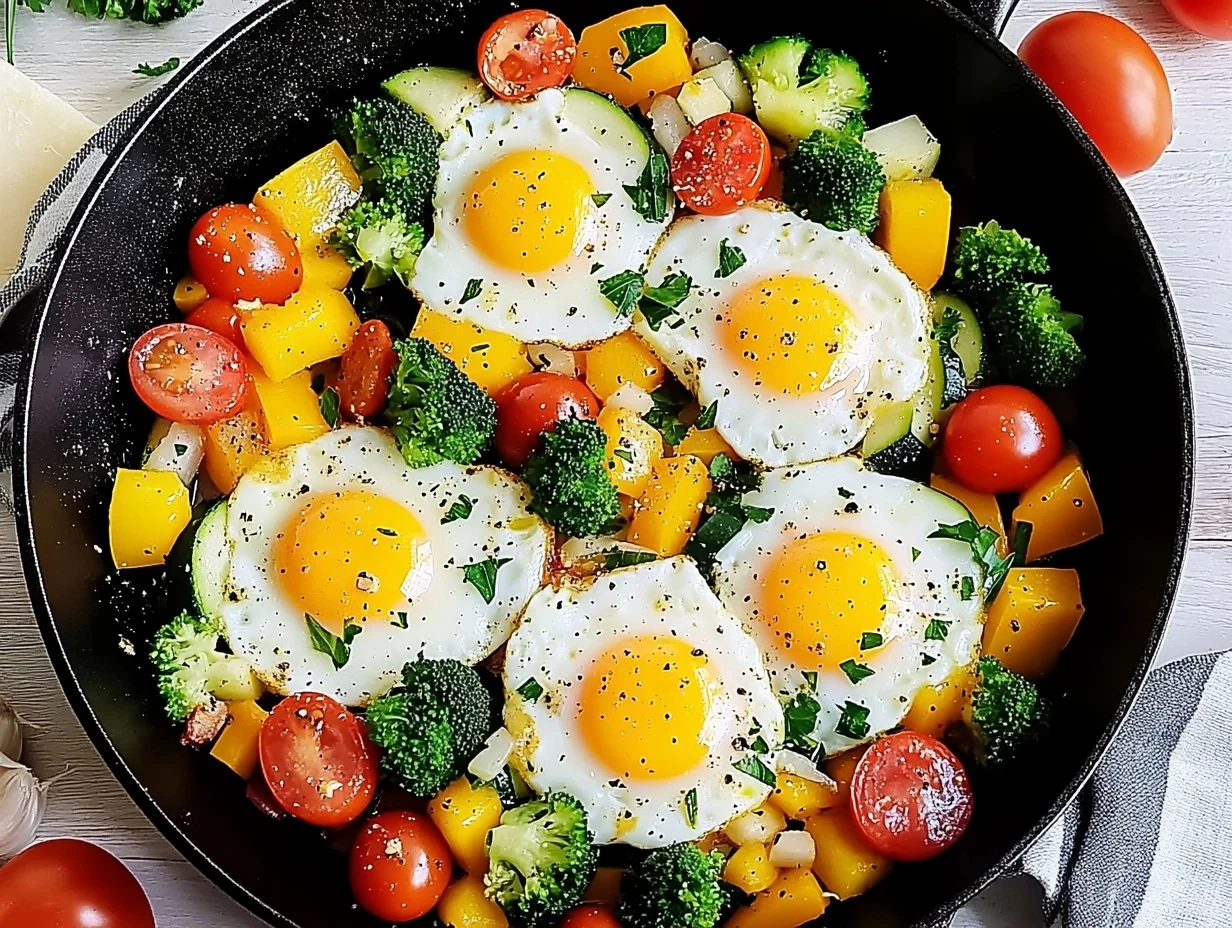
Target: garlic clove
[[23, 802]]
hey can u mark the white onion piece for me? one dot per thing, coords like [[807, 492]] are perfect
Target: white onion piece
[[702, 98], [632, 397], [758, 826], [668, 122], [489, 762], [23, 800], [800, 766], [792, 850], [547, 356], [179, 450], [731, 81], [706, 54], [10, 732]]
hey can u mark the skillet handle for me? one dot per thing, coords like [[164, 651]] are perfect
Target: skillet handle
[[991, 14]]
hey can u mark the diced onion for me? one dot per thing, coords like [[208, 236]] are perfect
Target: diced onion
[[792, 850], [730, 79], [632, 397], [706, 54], [800, 766], [702, 98], [179, 449], [668, 122], [489, 762], [547, 356], [758, 825]]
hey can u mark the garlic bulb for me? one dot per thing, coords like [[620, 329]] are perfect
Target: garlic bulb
[[23, 799], [10, 731]]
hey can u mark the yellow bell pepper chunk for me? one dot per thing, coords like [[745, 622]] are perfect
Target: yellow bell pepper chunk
[[491, 359], [315, 324], [705, 444], [750, 869], [983, 507], [841, 768], [1033, 618], [935, 708], [324, 266], [464, 815], [237, 745], [601, 47], [915, 228], [149, 509], [234, 445], [463, 905], [1060, 507], [670, 507], [619, 360], [189, 294], [292, 409], [634, 447], [846, 863], [799, 798], [792, 900]]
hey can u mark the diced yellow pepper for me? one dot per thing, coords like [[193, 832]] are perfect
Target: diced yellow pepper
[[1033, 618], [237, 745], [984, 507], [705, 444], [1060, 507], [465, 814], [189, 294], [292, 409], [234, 445], [314, 324], [324, 266], [463, 905], [799, 798], [935, 708], [149, 509], [750, 869], [619, 360], [841, 768], [634, 447], [846, 863], [601, 46], [670, 507], [915, 228], [792, 900], [491, 359]]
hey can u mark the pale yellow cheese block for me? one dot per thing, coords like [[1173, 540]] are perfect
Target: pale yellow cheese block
[[39, 132]]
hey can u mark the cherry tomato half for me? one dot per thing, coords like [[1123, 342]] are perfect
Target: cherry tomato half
[[721, 165], [188, 374], [400, 866], [1211, 18], [591, 916], [363, 375], [525, 52], [67, 883], [241, 252], [317, 760], [534, 403], [219, 316], [910, 796], [1111, 81], [1001, 439]]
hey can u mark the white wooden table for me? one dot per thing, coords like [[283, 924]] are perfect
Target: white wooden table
[[1186, 202]]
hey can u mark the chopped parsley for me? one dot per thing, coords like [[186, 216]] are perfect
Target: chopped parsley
[[709, 414], [180, 450], [669, 401], [329, 407], [845, 493], [926, 659], [983, 542], [726, 512], [642, 42], [401, 620], [853, 723], [731, 259], [615, 558], [855, 672], [799, 721], [966, 588], [622, 290], [530, 690], [596, 266], [652, 192], [474, 287], [482, 576], [659, 303], [1022, 540], [157, 70], [937, 630], [915, 554], [755, 767], [624, 454], [600, 198], [690, 808], [461, 509], [870, 640], [337, 649]]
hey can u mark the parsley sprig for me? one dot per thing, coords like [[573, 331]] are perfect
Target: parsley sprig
[[726, 513]]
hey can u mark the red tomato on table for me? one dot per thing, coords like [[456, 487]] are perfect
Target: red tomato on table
[[317, 760], [910, 796], [1111, 81], [1001, 439], [1211, 18], [241, 252], [363, 375], [721, 165], [67, 883], [188, 374], [534, 403], [525, 52], [400, 866]]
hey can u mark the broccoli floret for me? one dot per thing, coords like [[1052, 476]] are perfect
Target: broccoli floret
[[987, 260], [374, 233], [432, 725], [568, 478], [1034, 337], [541, 860], [674, 887], [395, 151], [833, 179], [1008, 714], [435, 411], [189, 664]]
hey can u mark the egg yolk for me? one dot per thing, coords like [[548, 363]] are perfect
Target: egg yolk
[[785, 332], [352, 555], [822, 593], [644, 706], [524, 212]]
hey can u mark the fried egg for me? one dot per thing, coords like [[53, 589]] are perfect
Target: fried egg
[[637, 692], [800, 344], [531, 214], [850, 600], [339, 533]]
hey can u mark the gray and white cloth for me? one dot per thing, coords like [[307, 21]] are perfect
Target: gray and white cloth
[[1148, 844]]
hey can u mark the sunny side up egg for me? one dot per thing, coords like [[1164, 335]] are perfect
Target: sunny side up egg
[[531, 214], [801, 343], [849, 599], [639, 693], [340, 531]]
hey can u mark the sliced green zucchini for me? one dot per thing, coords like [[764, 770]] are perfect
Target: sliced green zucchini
[[889, 445], [967, 342], [211, 560], [926, 417], [440, 95], [608, 123]]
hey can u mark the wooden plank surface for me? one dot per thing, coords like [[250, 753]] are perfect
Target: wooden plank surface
[[1186, 203]]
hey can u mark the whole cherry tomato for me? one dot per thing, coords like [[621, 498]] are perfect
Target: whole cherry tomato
[[218, 316], [400, 866], [1111, 81], [533, 404], [317, 760], [188, 374], [241, 252], [525, 52], [721, 165], [68, 883], [363, 375], [591, 916], [1211, 18], [910, 796], [1001, 439]]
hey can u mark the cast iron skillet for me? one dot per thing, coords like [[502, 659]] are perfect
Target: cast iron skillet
[[259, 97]]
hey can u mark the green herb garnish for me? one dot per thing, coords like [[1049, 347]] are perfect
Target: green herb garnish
[[482, 576], [337, 649], [731, 259]]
